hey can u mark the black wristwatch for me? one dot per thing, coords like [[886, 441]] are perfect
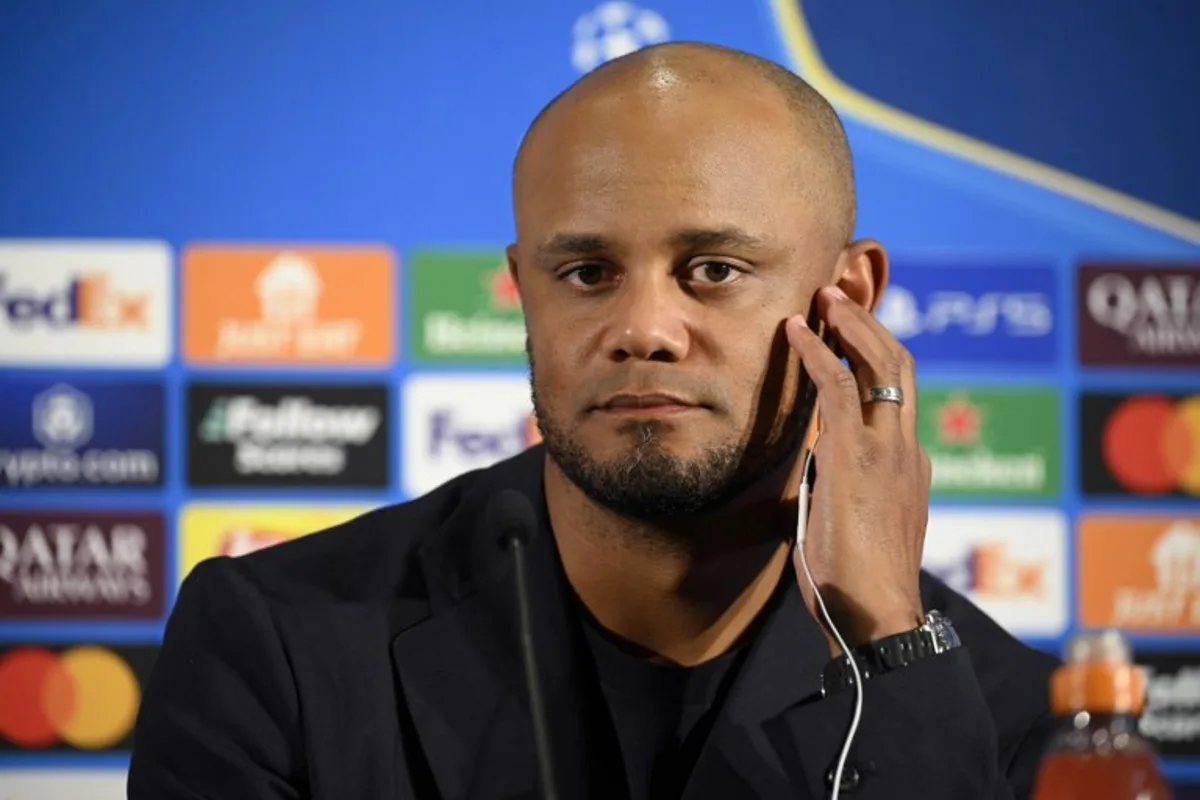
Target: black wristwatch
[[936, 635]]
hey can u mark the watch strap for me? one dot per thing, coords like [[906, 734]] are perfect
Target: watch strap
[[890, 653]]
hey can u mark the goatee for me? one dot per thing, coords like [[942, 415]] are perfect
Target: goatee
[[649, 482]]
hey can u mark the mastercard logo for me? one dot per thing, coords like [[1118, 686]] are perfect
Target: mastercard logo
[[1151, 444], [86, 697]]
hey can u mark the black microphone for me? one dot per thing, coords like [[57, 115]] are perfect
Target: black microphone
[[512, 515]]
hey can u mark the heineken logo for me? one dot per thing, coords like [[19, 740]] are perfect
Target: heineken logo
[[991, 442], [505, 294], [448, 334], [466, 308], [988, 473], [958, 422]]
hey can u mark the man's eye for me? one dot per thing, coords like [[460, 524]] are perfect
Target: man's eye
[[714, 272], [586, 275]]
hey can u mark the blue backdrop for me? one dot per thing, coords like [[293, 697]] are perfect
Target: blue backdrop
[[984, 135]]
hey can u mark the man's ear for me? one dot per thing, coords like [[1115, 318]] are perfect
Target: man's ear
[[510, 253], [862, 272]]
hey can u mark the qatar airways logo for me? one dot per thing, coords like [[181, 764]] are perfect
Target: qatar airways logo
[[90, 565], [1132, 315]]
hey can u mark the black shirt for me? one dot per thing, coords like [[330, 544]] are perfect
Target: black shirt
[[383, 658], [662, 713]]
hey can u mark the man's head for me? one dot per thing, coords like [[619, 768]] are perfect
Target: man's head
[[673, 208]]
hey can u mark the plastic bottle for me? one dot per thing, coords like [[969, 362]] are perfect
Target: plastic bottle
[[1097, 753]]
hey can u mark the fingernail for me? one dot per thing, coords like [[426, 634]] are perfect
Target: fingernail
[[801, 321], [837, 292]]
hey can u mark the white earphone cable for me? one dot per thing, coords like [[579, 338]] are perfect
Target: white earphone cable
[[801, 533]]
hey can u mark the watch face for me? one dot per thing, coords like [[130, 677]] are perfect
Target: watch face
[[944, 635]]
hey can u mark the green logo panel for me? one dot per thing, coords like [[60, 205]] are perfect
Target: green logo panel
[[465, 308], [986, 442]]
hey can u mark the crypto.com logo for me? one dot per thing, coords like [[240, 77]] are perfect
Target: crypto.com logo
[[62, 417]]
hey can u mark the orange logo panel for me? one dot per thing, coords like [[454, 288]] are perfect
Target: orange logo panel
[[264, 306], [1140, 574]]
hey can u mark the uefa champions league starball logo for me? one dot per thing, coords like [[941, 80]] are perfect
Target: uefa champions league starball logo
[[612, 30]]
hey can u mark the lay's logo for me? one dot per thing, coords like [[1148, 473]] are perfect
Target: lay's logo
[[84, 303], [206, 531]]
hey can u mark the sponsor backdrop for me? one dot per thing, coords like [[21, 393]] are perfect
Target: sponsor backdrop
[[252, 284]]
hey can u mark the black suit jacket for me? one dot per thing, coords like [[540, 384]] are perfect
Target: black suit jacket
[[379, 660]]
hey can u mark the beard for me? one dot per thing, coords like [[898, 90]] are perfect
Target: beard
[[648, 481]]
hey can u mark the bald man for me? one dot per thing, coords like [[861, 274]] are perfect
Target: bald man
[[684, 223]]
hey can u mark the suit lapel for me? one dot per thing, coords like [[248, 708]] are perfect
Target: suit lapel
[[459, 668], [746, 753], [461, 681]]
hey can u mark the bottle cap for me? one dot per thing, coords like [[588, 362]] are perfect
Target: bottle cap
[[1098, 676]]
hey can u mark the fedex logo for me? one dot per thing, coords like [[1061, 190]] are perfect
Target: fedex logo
[[88, 299], [90, 304], [1010, 563], [991, 569], [457, 423], [450, 437], [965, 314]]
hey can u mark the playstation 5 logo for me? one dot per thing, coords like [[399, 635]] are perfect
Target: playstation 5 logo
[[1023, 314], [975, 315]]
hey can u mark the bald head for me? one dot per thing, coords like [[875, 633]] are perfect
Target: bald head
[[681, 74]]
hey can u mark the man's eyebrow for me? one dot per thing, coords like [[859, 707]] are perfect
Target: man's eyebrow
[[717, 237], [574, 244], [583, 244]]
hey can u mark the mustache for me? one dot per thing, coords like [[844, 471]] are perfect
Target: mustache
[[693, 392], [602, 388]]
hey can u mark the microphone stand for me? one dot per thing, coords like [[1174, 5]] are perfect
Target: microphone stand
[[537, 705]]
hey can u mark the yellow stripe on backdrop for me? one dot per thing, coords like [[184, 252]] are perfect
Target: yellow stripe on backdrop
[[806, 59]]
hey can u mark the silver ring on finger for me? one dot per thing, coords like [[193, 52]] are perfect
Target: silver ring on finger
[[885, 394]]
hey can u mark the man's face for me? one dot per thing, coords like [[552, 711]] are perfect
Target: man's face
[[662, 242]]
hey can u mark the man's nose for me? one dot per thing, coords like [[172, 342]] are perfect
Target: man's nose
[[648, 321]]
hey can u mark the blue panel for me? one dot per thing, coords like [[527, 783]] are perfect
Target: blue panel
[[368, 121]]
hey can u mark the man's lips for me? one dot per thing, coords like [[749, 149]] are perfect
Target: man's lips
[[643, 404]]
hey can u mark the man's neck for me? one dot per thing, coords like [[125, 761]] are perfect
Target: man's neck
[[684, 599]]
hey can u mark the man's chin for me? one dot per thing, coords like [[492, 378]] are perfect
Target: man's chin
[[684, 435], [626, 450], [647, 479]]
